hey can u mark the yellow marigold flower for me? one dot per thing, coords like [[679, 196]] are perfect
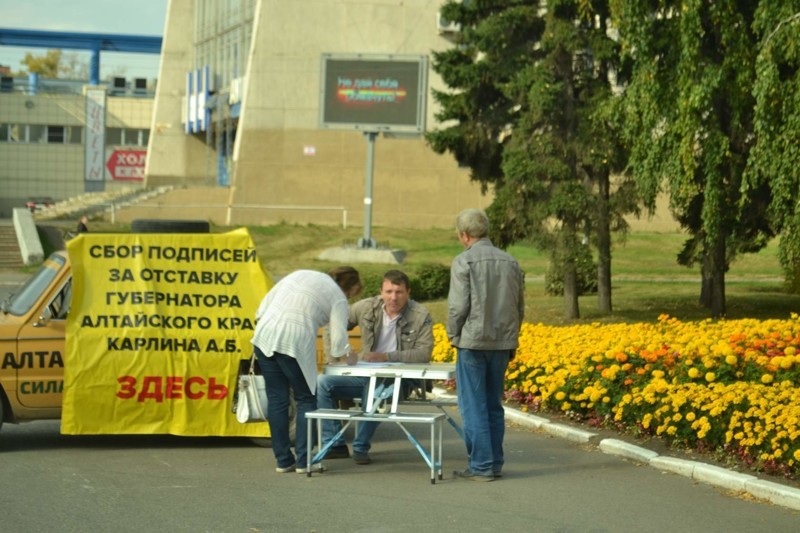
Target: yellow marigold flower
[[710, 377], [786, 362], [658, 374], [560, 395], [790, 350], [731, 359], [693, 372], [690, 416], [767, 379]]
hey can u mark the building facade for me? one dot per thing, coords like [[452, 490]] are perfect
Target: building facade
[[237, 115], [43, 141]]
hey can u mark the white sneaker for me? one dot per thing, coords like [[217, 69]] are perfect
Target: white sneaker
[[285, 469], [314, 468]]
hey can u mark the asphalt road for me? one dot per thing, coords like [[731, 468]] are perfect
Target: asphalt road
[[53, 482]]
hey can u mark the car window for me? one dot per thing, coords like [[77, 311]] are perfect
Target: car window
[[22, 301], [59, 305]]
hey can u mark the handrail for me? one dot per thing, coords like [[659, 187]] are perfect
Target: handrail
[[231, 207]]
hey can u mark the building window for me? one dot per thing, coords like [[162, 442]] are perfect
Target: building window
[[74, 135], [5, 133], [55, 134], [113, 136], [17, 133], [37, 133]]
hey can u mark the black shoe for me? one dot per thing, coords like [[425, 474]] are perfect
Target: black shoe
[[361, 458], [472, 476], [338, 452]]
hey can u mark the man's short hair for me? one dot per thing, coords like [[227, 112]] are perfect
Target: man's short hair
[[397, 277], [473, 222]]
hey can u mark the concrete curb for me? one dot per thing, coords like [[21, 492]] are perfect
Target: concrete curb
[[772, 492]]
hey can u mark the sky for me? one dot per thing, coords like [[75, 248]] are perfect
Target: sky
[[129, 17]]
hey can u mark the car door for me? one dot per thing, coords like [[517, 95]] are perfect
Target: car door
[[40, 350]]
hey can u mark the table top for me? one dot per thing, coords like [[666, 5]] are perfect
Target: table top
[[403, 370]]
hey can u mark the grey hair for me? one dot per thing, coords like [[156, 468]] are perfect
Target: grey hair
[[473, 222]]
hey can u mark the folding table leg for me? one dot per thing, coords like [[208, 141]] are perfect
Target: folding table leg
[[441, 461], [433, 453], [309, 445]]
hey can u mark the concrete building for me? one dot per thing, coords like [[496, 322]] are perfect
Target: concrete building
[[258, 155], [43, 136], [233, 123], [60, 138]]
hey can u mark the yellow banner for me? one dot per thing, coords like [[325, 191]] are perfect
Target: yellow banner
[[157, 327]]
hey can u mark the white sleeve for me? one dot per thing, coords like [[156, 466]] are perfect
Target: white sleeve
[[340, 340]]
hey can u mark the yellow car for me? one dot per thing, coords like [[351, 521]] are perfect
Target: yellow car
[[32, 343]]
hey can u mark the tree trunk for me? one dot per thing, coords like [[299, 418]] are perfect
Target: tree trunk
[[718, 304], [571, 310], [603, 246], [705, 281], [712, 290]]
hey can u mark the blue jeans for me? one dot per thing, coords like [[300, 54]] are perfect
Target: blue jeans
[[332, 388], [281, 372], [480, 375]]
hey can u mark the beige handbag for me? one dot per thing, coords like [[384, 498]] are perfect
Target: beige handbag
[[251, 394]]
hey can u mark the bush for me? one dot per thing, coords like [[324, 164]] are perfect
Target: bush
[[587, 275], [372, 285], [430, 282]]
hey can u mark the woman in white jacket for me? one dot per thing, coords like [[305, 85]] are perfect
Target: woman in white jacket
[[285, 343]]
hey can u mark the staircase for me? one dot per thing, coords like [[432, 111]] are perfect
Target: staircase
[[10, 255]]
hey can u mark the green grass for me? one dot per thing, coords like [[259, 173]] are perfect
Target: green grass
[[647, 280]]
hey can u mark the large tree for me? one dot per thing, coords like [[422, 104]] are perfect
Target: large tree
[[776, 155], [56, 64], [532, 103], [689, 121]]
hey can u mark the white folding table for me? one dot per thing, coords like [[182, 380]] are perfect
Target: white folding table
[[379, 374]]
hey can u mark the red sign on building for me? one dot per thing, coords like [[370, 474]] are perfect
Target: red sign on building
[[127, 165]]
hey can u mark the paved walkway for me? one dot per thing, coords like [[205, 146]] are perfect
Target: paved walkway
[[133, 483]]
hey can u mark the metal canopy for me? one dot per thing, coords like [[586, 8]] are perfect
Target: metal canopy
[[94, 42]]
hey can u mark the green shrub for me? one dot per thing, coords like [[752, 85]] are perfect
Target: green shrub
[[431, 281], [587, 275], [372, 284]]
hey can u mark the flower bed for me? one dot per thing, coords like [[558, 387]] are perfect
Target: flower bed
[[724, 386]]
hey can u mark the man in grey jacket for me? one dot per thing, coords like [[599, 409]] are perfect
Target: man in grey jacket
[[485, 307], [393, 328]]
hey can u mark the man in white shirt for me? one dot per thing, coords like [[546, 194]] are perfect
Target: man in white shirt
[[393, 328]]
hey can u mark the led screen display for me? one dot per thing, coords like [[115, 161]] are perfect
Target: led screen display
[[379, 93]]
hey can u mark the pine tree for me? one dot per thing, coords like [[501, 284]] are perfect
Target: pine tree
[[532, 97]]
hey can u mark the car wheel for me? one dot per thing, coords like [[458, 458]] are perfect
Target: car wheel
[[266, 442], [142, 225]]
